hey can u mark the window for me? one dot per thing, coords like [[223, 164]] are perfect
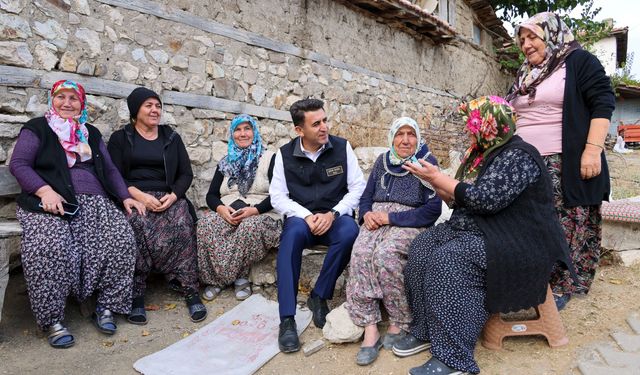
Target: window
[[447, 11], [477, 34]]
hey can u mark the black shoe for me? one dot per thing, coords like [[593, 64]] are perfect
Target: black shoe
[[288, 337], [319, 308]]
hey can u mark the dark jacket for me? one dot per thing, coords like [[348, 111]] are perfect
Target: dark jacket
[[318, 186], [587, 95], [523, 240], [51, 165], [177, 165]]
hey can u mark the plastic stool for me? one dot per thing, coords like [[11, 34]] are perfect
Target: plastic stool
[[547, 324]]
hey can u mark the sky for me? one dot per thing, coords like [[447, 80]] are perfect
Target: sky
[[624, 13]]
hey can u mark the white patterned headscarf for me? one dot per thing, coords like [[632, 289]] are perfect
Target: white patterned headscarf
[[394, 158]]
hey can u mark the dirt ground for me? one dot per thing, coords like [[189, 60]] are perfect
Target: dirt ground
[[589, 321]]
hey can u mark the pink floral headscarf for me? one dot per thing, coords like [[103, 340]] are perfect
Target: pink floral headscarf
[[72, 133], [492, 122]]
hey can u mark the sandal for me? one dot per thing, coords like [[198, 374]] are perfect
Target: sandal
[[211, 292], [242, 289], [59, 337], [138, 316], [105, 322], [197, 311]]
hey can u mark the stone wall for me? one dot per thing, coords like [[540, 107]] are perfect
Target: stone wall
[[211, 60]]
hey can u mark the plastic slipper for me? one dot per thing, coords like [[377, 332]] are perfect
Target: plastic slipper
[[105, 322], [197, 311], [242, 289], [60, 337], [137, 316], [211, 292]]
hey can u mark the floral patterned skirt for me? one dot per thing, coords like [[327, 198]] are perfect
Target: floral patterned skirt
[[166, 244], [376, 272], [582, 226], [94, 251], [226, 252]]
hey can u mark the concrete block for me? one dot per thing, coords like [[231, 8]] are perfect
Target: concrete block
[[634, 322], [593, 368], [313, 347], [628, 343], [617, 358]]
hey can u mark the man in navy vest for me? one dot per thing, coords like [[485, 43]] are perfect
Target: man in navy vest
[[316, 185]]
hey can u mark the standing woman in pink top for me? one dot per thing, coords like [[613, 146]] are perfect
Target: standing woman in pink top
[[564, 103]]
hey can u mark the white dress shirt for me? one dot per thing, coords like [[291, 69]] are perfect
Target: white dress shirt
[[286, 206]]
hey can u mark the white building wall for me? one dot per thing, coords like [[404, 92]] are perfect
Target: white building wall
[[605, 49]]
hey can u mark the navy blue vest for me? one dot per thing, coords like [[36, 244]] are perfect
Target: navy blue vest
[[316, 186]]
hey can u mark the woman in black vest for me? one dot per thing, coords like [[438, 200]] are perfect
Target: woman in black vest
[[496, 252], [75, 240], [156, 167]]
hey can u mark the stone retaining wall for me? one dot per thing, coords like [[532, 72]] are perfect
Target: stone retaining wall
[[214, 59]]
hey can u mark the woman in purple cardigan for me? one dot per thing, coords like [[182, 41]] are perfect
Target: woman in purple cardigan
[[75, 241]]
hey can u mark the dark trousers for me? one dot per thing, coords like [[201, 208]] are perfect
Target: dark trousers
[[296, 236]]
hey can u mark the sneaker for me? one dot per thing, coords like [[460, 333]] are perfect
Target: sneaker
[[409, 345]]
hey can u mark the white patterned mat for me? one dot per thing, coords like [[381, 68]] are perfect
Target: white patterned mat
[[239, 342]]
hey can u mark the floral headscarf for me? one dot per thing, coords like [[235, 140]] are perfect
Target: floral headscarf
[[559, 44], [240, 164], [72, 133], [492, 121]]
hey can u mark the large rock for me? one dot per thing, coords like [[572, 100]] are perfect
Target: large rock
[[91, 39], [52, 31], [15, 53], [340, 328], [14, 27]]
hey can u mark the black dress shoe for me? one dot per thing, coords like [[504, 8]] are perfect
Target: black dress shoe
[[319, 308], [288, 337]]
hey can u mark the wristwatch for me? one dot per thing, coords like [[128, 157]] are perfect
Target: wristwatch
[[335, 213]]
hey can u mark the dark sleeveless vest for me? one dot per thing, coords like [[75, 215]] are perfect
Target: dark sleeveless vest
[[51, 165], [318, 186]]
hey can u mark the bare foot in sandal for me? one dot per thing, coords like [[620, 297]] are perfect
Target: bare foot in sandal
[[242, 289]]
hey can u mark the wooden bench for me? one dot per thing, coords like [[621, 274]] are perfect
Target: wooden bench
[[10, 232]]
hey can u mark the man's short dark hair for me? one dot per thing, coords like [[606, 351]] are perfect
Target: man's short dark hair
[[298, 109]]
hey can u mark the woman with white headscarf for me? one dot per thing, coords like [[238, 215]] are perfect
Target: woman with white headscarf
[[394, 208]]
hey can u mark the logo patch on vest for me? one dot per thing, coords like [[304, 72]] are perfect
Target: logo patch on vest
[[334, 171]]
